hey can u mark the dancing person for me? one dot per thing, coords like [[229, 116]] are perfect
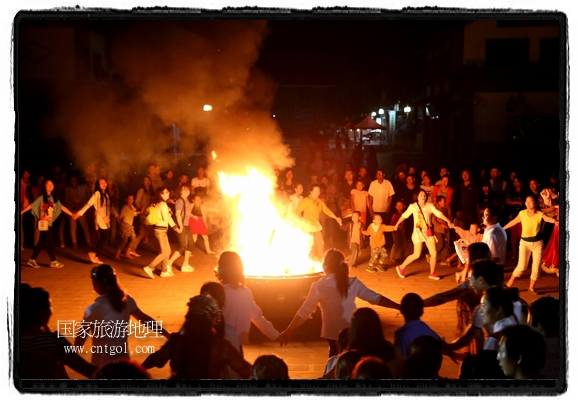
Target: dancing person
[[164, 220], [551, 257], [366, 336], [376, 231], [399, 238], [142, 201], [412, 309], [197, 352], [354, 237], [197, 223], [74, 199], [531, 243], [101, 202], [46, 208], [113, 305], [186, 240], [240, 308], [335, 293], [310, 208], [421, 211], [497, 309], [126, 219]]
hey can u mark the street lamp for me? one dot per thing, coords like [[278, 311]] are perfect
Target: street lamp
[[373, 114], [207, 107], [407, 109], [381, 113]]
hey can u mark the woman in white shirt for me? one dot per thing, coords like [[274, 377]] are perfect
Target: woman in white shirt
[[422, 211], [161, 227], [101, 202], [240, 309], [335, 293]]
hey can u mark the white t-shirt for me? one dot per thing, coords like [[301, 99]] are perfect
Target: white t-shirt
[[419, 224], [497, 239], [240, 310], [380, 193], [336, 311], [99, 317]]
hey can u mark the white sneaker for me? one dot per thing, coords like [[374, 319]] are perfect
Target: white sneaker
[[167, 273], [33, 263], [56, 264], [187, 268], [149, 272]]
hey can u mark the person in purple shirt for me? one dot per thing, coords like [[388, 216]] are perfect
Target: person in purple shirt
[[412, 310]]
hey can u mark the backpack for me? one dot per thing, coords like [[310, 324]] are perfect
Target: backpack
[[151, 215]]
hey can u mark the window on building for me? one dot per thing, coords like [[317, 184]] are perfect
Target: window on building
[[507, 53]]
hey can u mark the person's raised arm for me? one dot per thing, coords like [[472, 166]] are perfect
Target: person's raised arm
[[387, 303], [513, 222]]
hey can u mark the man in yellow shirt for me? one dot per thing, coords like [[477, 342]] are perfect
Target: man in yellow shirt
[[310, 209]]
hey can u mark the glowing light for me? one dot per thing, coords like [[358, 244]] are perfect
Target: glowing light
[[214, 155], [207, 107], [373, 114], [407, 109], [264, 229]]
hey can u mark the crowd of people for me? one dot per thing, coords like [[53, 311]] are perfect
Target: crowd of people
[[504, 336]]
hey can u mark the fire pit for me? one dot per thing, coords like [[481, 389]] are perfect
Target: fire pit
[[280, 297]]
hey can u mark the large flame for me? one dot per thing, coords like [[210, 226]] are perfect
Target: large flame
[[265, 231]]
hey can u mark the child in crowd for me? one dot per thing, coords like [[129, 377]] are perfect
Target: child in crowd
[[399, 240], [355, 238], [466, 237], [126, 220], [197, 223], [359, 200], [376, 231]]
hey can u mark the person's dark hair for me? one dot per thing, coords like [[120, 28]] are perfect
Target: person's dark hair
[[503, 298], [429, 177], [446, 176], [487, 366], [150, 188], [334, 263], [104, 195], [420, 191], [411, 306], [45, 194], [356, 212], [410, 175], [269, 366], [346, 363], [343, 339], [440, 198], [420, 366], [493, 213], [487, 270], [184, 185], [545, 314], [106, 278], [122, 369], [231, 270], [366, 335], [34, 306], [427, 345], [479, 251], [527, 345], [191, 353], [371, 368], [157, 198], [313, 186], [217, 292]]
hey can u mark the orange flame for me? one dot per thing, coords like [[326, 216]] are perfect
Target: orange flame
[[265, 231]]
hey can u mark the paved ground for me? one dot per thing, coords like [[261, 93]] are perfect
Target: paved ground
[[166, 299]]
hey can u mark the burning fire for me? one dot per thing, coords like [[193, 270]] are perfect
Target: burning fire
[[265, 231]]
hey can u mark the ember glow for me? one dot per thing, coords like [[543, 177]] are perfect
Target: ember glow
[[265, 232]]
